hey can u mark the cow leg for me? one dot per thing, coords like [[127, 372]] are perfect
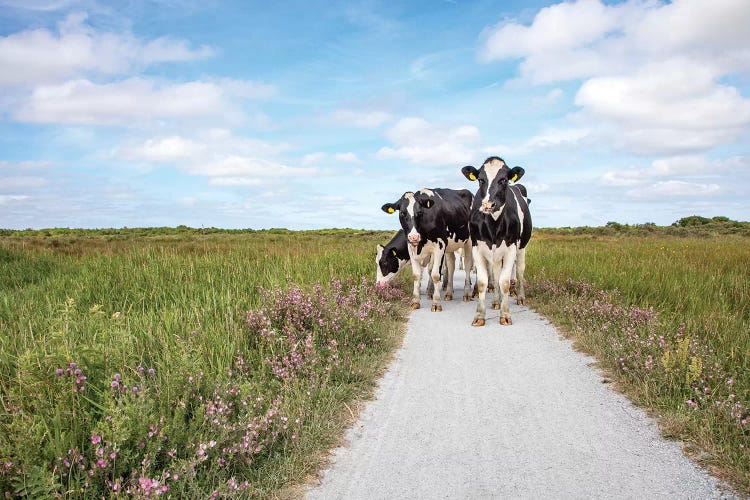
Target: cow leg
[[513, 281], [468, 264], [450, 267], [504, 284], [520, 269], [437, 259], [495, 280], [444, 273], [481, 286], [416, 269]]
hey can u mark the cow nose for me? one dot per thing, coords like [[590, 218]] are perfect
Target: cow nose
[[488, 206], [414, 239]]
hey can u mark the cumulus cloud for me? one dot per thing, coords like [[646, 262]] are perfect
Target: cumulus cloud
[[421, 142], [42, 56], [7, 199], [225, 159], [130, 101], [552, 139], [654, 72], [674, 176], [675, 189]]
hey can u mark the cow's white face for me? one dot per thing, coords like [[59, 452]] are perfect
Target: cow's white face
[[387, 265], [493, 192]]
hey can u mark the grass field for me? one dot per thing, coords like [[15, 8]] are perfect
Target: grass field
[[194, 365], [669, 319], [201, 363]]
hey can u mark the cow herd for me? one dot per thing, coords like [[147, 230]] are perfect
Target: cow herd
[[490, 229]]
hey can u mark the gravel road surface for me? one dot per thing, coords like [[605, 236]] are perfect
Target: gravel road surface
[[502, 412]]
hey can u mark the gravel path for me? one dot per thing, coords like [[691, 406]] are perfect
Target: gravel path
[[502, 412]]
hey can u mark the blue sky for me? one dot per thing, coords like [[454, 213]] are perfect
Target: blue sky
[[313, 114]]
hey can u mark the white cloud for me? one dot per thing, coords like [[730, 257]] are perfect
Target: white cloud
[[359, 118], [681, 167], [127, 102], [226, 159], [22, 182], [419, 141], [165, 149], [41, 56], [346, 157], [654, 72], [675, 189], [7, 199], [552, 139]]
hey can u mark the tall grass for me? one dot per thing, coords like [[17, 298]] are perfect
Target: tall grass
[[153, 365], [670, 319]]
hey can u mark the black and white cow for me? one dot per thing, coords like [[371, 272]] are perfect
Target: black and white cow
[[391, 258], [500, 230], [436, 224], [394, 256]]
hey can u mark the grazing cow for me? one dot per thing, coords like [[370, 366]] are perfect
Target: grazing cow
[[500, 230], [394, 256], [436, 224], [391, 258]]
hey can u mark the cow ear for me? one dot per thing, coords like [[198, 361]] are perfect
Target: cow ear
[[389, 208], [380, 248], [516, 173], [470, 173]]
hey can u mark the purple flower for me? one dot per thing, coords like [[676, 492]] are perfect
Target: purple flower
[[59, 371], [115, 384]]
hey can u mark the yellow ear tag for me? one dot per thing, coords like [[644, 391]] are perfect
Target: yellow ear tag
[[515, 176], [429, 203], [390, 210], [393, 251], [472, 177]]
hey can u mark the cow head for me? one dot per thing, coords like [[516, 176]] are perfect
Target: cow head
[[493, 177], [388, 264], [411, 208]]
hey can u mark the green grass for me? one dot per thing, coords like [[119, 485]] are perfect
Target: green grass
[[669, 318], [120, 306]]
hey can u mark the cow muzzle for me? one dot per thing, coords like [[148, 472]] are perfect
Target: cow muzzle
[[414, 239], [488, 207]]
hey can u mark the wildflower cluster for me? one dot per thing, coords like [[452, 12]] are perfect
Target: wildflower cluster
[[73, 373], [636, 343], [306, 330]]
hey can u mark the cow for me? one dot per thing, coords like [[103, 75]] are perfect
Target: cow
[[394, 256], [500, 227], [436, 224], [391, 258]]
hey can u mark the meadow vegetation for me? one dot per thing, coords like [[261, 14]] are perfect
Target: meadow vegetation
[[207, 362], [187, 363], [669, 319]]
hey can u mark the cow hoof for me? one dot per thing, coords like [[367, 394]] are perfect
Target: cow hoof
[[521, 302], [448, 297], [475, 295], [467, 298], [477, 322], [490, 288], [436, 308], [505, 321], [512, 292], [496, 307], [414, 305]]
